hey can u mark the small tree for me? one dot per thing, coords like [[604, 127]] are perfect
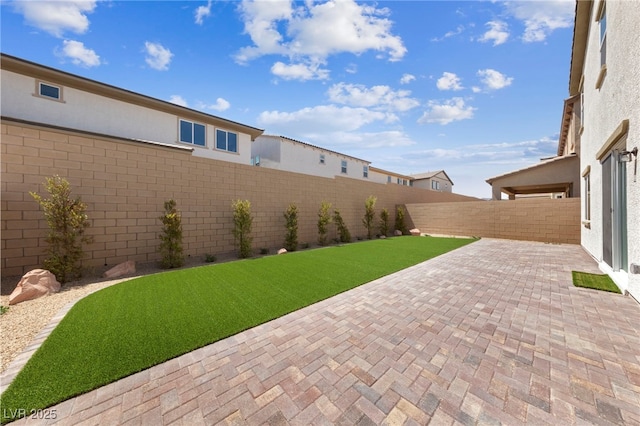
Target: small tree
[[369, 214], [242, 222], [291, 237], [171, 237], [400, 225], [343, 231], [324, 219], [67, 223], [384, 222]]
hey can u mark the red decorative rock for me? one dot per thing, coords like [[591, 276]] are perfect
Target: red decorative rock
[[415, 232], [34, 284], [124, 268], [282, 251]]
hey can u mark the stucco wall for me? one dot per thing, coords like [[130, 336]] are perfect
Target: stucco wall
[[125, 185], [604, 109], [546, 220], [83, 110]]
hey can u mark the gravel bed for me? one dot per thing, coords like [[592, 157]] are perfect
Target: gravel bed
[[22, 322]]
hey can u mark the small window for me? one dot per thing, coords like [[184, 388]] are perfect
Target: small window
[[226, 141], [602, 19], [191, 132], [49, 91], [365, 171], [399, 182], [587, 197], [322, 159], [404, 182], [435, 185], [343, 166], [388, 179]]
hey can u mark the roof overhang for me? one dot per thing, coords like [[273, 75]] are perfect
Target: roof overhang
[[579, 47], [567, 110]]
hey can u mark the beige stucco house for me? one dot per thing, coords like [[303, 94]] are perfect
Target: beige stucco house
[[605, 77], [435, 181], [387, 177]]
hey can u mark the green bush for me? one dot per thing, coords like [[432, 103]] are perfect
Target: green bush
[[171, 237], [343, 231], [3, 309], [384, 222], [242, 222], [324, 219], [68, 222], [209, 258], [369, 215], [400, 225], [264, 250], [291, 237]]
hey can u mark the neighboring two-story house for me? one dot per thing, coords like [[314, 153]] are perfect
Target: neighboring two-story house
[[435, 181], [43, 95], [282, 153], [605, 77]]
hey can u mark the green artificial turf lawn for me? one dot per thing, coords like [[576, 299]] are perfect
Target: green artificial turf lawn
[[132, 326], [595, 281]]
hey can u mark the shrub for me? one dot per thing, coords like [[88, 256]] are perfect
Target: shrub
[[369, 214], [67, 221], [3, 309], [324, 219], [291, 237], [171, 237], [242, 222], [264, 250], [209, 258], [304, 246], [384, 222], [400, 225], [343, 231]]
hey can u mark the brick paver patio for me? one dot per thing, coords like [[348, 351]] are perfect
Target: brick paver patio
[[493, 333]]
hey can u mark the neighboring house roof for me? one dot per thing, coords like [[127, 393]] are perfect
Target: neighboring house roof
[[429, 175], [544, 162], [566, 121], [316, 147], [387, 172], [24, 67]]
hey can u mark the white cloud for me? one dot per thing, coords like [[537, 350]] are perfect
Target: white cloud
[[459, 29], [493, 80], [352, 68], [56, 17], [178, 100], [202, 12], [498, 32], [299, 71], [379, 97], [407, 78], [541, 18], [320, 119], [361, 140], [79, 54], [449, 81], [158, 56], [220, 105], [447, 112], [312, 32]]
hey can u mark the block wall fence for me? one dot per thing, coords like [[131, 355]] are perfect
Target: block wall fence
[[535, 219], [125, 184]]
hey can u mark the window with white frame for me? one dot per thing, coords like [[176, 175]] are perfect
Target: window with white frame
[[226, 141], [343, 166], [435, 185], [191, 132], [322, 159], [49, 91], [602, 20], [587, 196], [399, 181], [388, 179], [365, 171]]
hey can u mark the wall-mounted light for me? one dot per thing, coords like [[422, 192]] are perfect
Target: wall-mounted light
[[627, 156]]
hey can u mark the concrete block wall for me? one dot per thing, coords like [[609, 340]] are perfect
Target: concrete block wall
[[534, 219], [125, 185]]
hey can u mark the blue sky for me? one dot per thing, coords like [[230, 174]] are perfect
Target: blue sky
[[475, 88]]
